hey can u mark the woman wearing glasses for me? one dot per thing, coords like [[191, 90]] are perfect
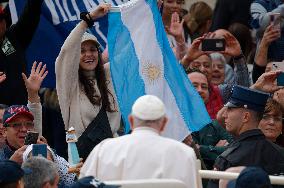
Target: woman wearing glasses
[[271, 123]]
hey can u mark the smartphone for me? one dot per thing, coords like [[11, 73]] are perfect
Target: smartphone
[[39, 150], [213, 45], [280, 79], [31, 138], [275, 20], [278, 66]]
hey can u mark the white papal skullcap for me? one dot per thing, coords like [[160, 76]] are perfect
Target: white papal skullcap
[[148, 107]]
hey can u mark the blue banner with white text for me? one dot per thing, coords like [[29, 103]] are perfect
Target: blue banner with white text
[[58, 18]]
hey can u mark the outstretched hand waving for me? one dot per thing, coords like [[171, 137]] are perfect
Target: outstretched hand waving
[[34, 81]]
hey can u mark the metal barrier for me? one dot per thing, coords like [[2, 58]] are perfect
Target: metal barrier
[[211, 174]]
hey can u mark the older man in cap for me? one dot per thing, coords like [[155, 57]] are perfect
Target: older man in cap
[[17, 121], [143, 154], [242, 115]]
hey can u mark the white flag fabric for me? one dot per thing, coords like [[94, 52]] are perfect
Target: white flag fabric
[[142, 62]]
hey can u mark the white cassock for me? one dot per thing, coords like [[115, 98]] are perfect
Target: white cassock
[[141, 155]]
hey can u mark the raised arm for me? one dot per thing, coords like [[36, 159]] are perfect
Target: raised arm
[[27, 24], [233, 49], [176, 30], [193, 52], [266, 82], [33, 83], [66, 69], [260, 15], [271, 34], [67, 64]]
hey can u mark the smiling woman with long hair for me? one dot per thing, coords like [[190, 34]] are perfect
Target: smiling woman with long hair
[[85, 91]]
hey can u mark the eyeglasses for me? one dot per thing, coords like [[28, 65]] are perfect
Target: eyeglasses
[[267, 117], [19, 125]]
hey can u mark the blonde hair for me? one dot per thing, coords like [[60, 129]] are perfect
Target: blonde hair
[[51, 99], [198, 15]]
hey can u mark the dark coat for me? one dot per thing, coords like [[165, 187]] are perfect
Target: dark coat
[[207, 138], [12, 54], [6, 151], [252, 149]]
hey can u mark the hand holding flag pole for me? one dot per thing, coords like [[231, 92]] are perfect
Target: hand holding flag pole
[[100, 11]]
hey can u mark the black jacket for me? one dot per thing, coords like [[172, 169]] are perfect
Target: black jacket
[[12, 53], [252, 149]]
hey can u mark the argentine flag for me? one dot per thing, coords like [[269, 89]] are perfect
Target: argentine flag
[[142, 62]]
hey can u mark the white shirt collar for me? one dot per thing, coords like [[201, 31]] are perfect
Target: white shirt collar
[[145, 130]]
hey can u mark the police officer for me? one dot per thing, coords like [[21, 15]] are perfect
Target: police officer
[[250, 148]]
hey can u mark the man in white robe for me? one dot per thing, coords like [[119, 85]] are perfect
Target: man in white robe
[[143, 154]]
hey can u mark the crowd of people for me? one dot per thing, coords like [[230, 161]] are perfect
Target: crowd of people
[[239, 85]]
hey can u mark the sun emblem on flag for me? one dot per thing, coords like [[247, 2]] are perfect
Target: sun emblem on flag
[[152, 72]]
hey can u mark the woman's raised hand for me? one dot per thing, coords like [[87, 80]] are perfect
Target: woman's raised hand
[[100, 11]]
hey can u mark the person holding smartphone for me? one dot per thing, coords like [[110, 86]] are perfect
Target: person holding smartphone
[[18, 119], [201, 60], [262, 12], [261, 60]]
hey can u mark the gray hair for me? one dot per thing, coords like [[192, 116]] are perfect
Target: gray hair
[[218, 57], [42, 171], [147, 123]]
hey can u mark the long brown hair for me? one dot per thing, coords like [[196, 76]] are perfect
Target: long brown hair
[[97, 98]]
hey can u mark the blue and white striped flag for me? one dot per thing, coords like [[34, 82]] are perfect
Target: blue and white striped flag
[[142, 62]]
